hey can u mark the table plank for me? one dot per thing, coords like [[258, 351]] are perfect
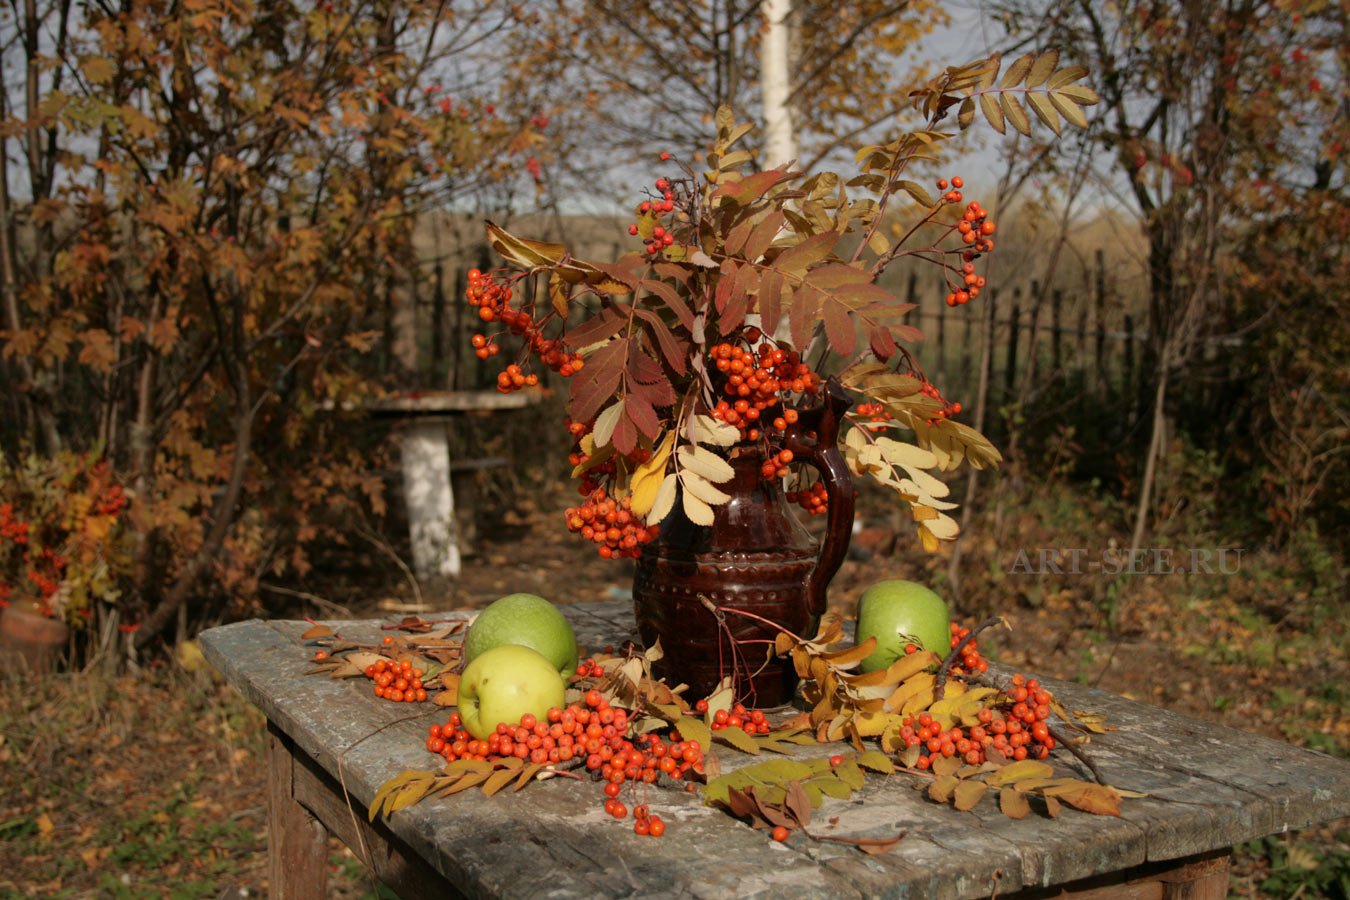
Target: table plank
[[1210, 787]]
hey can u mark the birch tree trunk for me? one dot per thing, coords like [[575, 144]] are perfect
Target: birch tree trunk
[[780, 137]]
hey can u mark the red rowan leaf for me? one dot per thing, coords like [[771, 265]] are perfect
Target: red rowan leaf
[[796, 260], [805, 311], [625, 435], [880, 340], [837, 275], [839, 327], [907, 333], [770, 298], [763, 235], [597, 382], [726, 285], [640, 411], [749, 189], [737, 235], [596, 329], [672, 299], [672, 348]]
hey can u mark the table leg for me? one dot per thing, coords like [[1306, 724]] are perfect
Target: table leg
[[297, 843], [1205, 878], [1201, 877]]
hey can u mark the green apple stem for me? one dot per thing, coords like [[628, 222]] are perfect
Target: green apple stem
[[940, 686]]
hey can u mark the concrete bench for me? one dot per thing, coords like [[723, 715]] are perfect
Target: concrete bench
[[332, 744], [424, 420]]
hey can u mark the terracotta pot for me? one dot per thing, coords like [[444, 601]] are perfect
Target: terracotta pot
[[35, 641], [755, 558]]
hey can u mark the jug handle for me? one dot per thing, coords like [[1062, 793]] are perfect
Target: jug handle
[[823, 453]]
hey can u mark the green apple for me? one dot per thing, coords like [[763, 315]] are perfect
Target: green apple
[[897, 613], [505, 683], [528, 620]]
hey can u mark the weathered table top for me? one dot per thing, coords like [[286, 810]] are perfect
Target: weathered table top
[[1209, 787]]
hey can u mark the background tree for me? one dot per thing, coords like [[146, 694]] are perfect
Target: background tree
[[642, 78], [1199, 100], [202, 204]]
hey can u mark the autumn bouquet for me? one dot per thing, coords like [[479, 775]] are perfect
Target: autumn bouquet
[[753, 290]]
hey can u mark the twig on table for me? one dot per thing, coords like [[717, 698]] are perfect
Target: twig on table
[[1082, 757], [856, 842], [940, 685], [321, 602]]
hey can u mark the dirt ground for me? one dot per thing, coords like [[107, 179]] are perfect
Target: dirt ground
[[151, 785]]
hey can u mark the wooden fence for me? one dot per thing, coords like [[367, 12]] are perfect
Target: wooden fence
[[1037, 336]]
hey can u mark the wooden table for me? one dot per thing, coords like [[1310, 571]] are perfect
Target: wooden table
[[332, 744]]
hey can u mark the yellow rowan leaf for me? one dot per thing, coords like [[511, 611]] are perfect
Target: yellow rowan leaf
[[698, 486], [704, 462], [664, 500]]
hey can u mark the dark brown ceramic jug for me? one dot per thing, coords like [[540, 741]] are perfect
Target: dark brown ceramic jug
[[756, 558]]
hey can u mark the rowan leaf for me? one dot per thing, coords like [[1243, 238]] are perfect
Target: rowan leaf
[[1013, 803], [665, 499], [498, 780], [1017, 116], [1093, 798], [708, 430], [770, 300], [1014, 74], [1042, 68], [705, 463], [876, 761], [606, 422], [1021, 771], [735, 737], [1069, 109], [968, 793], [1067, 75], [942, 788], [1044, 108], [697, 486], [993, 113]]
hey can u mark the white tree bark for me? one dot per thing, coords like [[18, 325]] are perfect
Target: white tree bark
[[775, 67]]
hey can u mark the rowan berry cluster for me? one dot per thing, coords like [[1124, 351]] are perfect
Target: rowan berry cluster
[[971, 662], [660, 238], [647, 824], [872, 412], [493, 301], [396, 681], [600, 472], [755, 380], [1015, 729], [751, 721], [589, 668], [928, 389], [611, 525], [592, 731], [975, 228], [812, 499]]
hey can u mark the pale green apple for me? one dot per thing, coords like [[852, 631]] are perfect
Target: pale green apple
[[505, 683], [897, 613], [528, 620]]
